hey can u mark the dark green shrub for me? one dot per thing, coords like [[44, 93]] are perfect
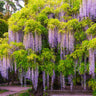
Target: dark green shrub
[[7, 16], [1, 15], [92, 84], [24, 94], [3, 27]]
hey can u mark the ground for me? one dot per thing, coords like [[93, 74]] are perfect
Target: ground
[[71, 95], [12, 90], [18, 89]]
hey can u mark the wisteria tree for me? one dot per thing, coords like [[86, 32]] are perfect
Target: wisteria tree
[[51, 40]]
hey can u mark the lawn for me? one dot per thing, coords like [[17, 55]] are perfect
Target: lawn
[[2, 91]]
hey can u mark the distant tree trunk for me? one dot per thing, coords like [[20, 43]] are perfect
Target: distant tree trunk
[[84, 81], [6, 69], [63, 81], [44, 80], [75, 69], [21, 79], [52, 80], [81, 81], [70, 77], [24, 79], [48, 80], [85, 75], [15, 66]]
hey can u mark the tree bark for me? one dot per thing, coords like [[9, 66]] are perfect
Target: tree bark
[[63, 81], [70, 77], [52, 80], [44, 80], [85, 74], [47, 80]]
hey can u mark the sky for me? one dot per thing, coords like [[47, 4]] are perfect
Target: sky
[[20, 2]]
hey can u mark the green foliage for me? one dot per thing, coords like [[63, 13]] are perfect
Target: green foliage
[[20, 57], [47, 10], [33, 59], [72, 25], [24, 94], [47, 61], [63, 27], [79, 36], [7, 16], [43, 19], [3, 27], [86, 22], [35, 18], [66, 66], [92, 43], [92, 30], [2, 91], [33, 26], [92, 84], [37, 12], [53, 23], [66, 8], [82, 67], [26, 2], [76, 6], [1, 15], [16, 46], [1, 6], [5, 35]]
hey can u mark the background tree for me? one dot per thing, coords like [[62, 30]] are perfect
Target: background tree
[[3, 27], [2, 6]]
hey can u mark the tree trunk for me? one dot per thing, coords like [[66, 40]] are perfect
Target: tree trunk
[[76, 62], [81, 81], [84, 81], [71, 82], [15, 67], [85, 74], [44, 80], [21, 79], [24, 79], [63, 81], [52, 80], [48, 80]]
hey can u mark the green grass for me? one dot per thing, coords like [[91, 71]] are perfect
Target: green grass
[[2, 91], [27, 93], [24, 94]]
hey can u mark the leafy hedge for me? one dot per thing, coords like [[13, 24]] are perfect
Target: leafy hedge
[[3, 27]]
